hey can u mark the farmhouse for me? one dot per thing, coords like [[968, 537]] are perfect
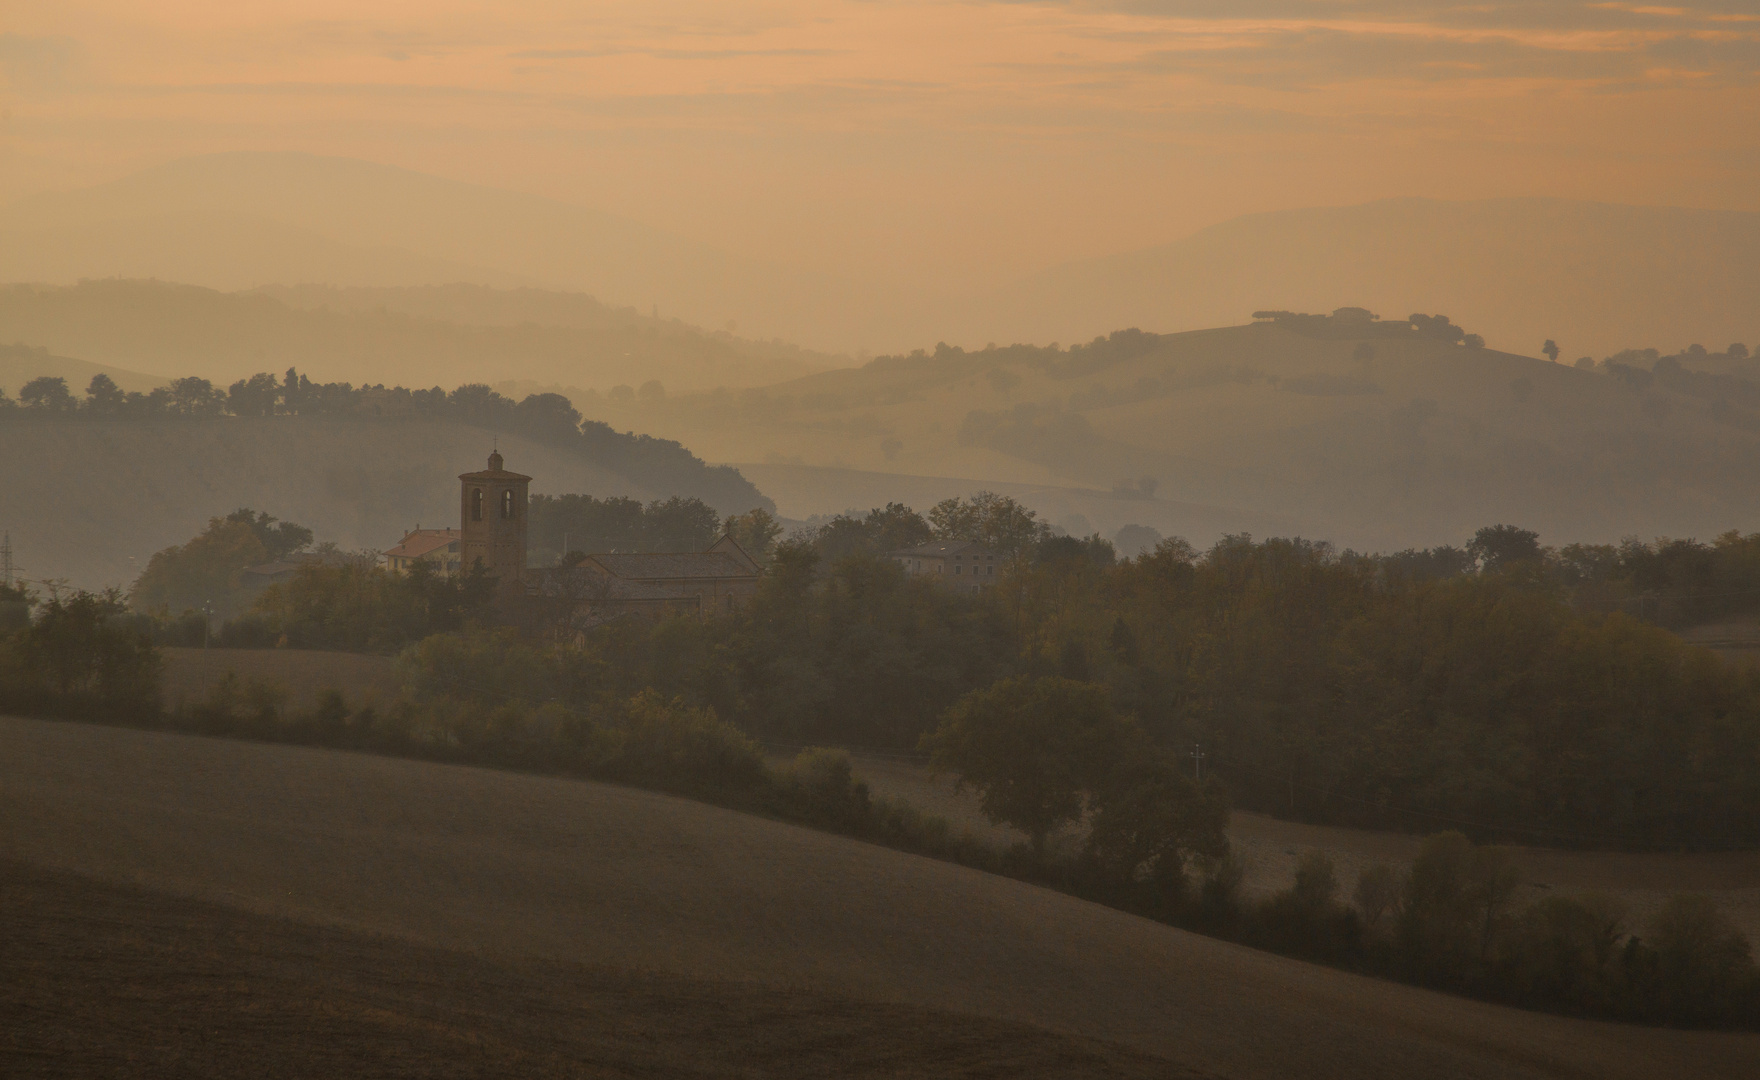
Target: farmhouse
[[439, 548], [964, 565]]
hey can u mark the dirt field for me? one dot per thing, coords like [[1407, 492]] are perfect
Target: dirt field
[[516, 870], [1269, 850], [105, 980], [189, 673]]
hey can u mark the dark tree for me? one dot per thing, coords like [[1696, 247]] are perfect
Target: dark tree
[[47, 394], [1497, 547]]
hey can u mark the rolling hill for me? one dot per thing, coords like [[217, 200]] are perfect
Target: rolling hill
[[1595, 277], [241, 220], [98, 498], [1343, 433], [414, 336], [541, 877]]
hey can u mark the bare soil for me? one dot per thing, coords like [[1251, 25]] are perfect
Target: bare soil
[[108, 980], [516, 869]]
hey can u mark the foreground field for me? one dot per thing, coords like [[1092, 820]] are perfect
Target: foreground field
[[597, 879], [1269, 850], [113, 980]]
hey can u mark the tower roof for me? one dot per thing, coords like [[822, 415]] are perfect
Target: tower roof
[[494, 471]]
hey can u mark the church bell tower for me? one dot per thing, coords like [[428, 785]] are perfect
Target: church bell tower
[[492, 519]]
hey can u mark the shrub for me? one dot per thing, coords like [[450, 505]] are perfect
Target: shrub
[[669, 745], [823, 788], [1702, 971]]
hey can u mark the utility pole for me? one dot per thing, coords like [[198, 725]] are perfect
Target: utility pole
[[1197, 755], [6, 559]]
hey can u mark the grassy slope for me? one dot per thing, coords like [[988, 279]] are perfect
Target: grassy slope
[[515, 867], [97, 500], [1572, 454]]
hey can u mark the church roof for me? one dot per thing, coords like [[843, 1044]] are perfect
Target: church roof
[[673, 565], [494, 471], [494, 474]]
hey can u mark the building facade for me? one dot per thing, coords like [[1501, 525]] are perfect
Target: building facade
[[963, 565], [440, 548], [613, 585]]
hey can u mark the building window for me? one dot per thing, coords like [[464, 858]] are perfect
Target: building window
[[507, 505], [991, 571], [957, 567], [476, 504]]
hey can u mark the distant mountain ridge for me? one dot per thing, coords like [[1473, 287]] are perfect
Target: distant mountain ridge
[[241, 220], [1595, 277], [418, 336], [1370, 435]]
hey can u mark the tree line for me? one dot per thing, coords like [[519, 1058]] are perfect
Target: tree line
[[1052, 696], [550, 419], [1486, 687]]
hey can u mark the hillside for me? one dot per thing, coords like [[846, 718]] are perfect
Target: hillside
[[1351, 435], [241, 220], [1593, 276], [99, 497], [529, 873], [418, 337], [20, 364]]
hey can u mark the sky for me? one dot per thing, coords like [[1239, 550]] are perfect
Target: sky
[[956, 141]]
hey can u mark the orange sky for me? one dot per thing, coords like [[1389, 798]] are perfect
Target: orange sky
[[958, 141]]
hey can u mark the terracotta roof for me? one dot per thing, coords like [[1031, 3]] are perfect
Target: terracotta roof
[[943, 549], [669, 565], [424, 542]]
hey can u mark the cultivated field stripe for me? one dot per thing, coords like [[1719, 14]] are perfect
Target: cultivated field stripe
[[517, 866]]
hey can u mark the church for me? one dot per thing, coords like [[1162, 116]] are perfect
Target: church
[[492, 513]]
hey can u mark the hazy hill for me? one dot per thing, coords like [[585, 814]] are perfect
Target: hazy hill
[[1365, 439], [240, 220], [20, 364], [1594, 277], [99, 497], [416, 336], [527, 870]]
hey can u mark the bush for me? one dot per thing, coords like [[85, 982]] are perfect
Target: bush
[[668, 745], [1564, 952], [1700, 970], [823, 789], [1306, 918]]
